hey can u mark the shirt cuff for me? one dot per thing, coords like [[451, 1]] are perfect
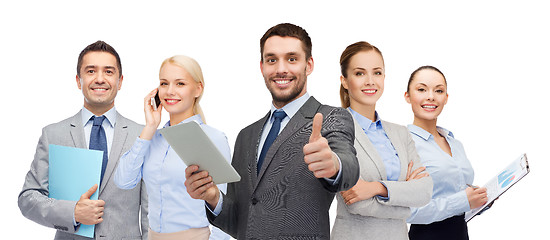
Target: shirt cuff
[[218, 208], [382, 197], [337, 179], [463, 203], [75, 224]]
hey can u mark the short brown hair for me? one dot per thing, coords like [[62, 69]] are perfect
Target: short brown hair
[[287, 30], [348, 53], [99, 46]]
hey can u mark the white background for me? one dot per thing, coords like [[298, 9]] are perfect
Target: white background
[[495, 55]]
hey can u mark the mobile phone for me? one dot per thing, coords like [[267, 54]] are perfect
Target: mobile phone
[[156, 101]]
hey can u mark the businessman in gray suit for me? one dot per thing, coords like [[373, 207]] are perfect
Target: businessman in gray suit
[[292, 161], [98, 125]]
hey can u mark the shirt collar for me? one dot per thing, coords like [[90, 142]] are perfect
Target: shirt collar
[[416, 130], [366, 123], [109, 115], [292, 108], [445, 132], [197, 118]]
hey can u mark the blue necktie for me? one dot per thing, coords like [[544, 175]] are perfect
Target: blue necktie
[[98, 141], [271, 136]]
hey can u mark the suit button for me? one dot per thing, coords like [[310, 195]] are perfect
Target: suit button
[[346, 185], [254, 201]]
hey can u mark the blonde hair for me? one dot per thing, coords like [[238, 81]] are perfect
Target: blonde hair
[[194, 69]]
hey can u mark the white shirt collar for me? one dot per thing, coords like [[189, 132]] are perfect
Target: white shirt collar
[[292, 108], [109, 115]]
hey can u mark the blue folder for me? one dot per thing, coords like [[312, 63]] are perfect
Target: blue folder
[[72, 171]]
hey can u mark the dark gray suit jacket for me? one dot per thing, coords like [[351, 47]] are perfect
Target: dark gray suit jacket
[[285, 200], [121, 219]]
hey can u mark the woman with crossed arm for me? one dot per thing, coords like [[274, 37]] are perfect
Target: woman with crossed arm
[[391, 179]]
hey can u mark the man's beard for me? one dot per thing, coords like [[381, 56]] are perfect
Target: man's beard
[[283, 99]]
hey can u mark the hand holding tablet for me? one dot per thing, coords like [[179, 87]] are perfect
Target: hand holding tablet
[[195, 148]]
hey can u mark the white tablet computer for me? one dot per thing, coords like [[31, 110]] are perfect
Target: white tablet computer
[[194, 147]]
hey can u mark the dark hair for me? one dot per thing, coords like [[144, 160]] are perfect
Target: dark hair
[[347, 54], [427, 67], [287, 30], [99, 46]]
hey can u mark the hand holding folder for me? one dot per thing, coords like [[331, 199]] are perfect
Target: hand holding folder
[[72, 171], [87, 211]]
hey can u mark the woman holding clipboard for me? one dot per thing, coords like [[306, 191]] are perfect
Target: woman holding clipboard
[[173, 214], [444, 158]]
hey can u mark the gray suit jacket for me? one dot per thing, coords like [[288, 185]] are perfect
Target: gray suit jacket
[[122, 207], [375, 218], [286, 201]]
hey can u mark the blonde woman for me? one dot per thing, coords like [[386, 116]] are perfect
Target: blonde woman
[[173, 214], [391, 179]]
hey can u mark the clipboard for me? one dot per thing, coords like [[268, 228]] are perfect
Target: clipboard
[[194, 147], [499, 184]]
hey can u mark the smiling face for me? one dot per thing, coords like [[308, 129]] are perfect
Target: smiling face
[[99, 81], [285, 69], [365, 79], [427, 94], [178, 91]]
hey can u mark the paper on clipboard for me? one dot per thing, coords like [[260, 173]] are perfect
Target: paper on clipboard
[[72, 171], [194, 147], [502, 182]]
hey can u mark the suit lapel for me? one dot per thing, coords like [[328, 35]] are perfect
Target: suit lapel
[[77, 131], [302, 117], [399, 148], [119, 139], [257, 129], [369, 150]]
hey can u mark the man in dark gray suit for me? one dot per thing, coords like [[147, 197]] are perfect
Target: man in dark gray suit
[[116, 213], [292, 161]]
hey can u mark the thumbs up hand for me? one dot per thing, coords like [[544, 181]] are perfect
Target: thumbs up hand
[[88, 211], [317, 153]]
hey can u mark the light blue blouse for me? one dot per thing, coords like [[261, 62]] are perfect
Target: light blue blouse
[[450, 175], [171, 209], [377, 136]]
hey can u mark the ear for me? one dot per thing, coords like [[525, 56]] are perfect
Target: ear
[[262, 66], [78, 82], [344, 82], [446, 98], [199, 90], [309, 66], [407, 97], [120, 81]]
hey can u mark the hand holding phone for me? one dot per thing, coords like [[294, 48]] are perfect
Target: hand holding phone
[[152, 110], [155, 101]]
